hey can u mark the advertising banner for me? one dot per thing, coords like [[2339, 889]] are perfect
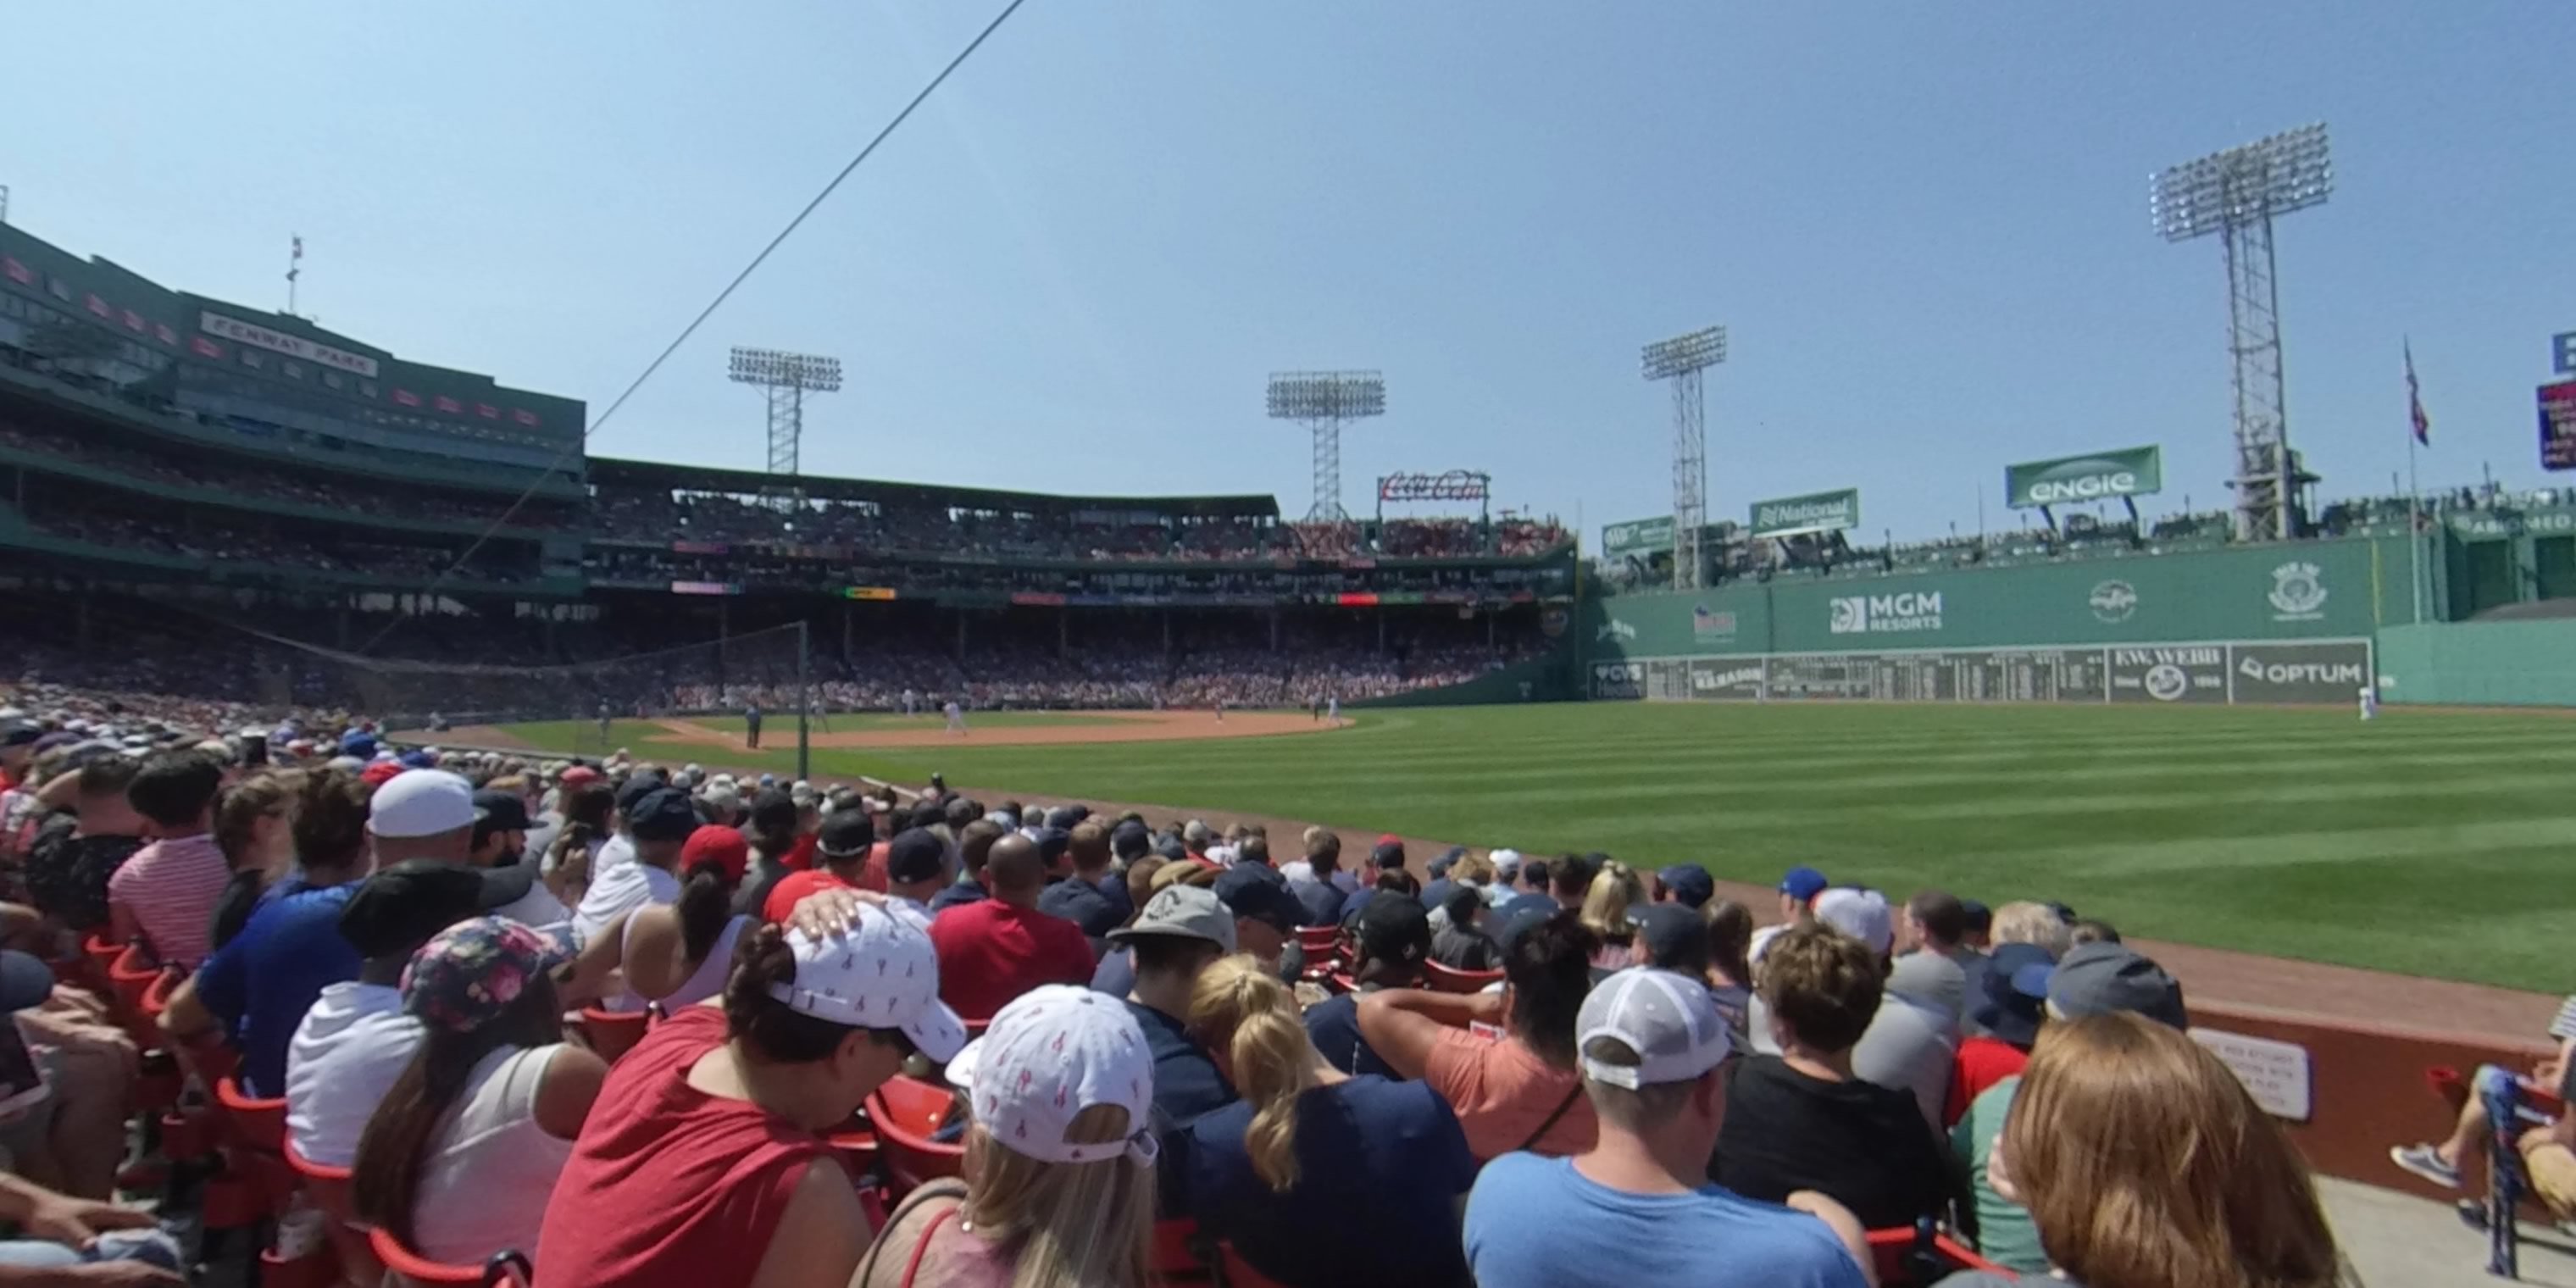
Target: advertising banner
[[2558, 426], [2178, 673], [1618, 680], [2318, 673], [2096, 476], [1791, 516], [1637, 537], [1726, 679]]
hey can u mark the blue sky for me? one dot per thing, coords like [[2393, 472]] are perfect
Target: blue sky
[[1924, 224]]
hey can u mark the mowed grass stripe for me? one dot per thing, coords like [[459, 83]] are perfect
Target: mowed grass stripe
[[2423, 842]]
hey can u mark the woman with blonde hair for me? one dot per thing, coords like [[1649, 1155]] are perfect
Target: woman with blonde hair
[[2037, 924], [2145, 1164], [1058, 1181], [1381, 1164], [1606, 901]]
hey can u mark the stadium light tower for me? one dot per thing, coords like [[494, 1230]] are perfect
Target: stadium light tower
[[785, 378], [2236, 193], [1681, 360], [1322, 400]]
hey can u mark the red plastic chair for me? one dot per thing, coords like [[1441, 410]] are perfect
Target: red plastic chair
[[402, 1265], [1174, 1260], [1447, 979], [255, 1150], [1922, 1256], [613, 1033], [1323, 948], [905, 1111], [328, 1187], [1238, 1273]]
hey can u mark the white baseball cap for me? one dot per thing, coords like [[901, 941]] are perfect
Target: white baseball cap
[[1861, 914], [1668, 1019], [1053, 1052], [1507, 863], [421, 802], [881, 973]]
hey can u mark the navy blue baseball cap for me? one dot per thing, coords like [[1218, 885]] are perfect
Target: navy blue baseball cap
[[1690, 884], [1803, 883]]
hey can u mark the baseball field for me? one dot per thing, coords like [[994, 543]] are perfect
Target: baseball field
[[2421, 843]]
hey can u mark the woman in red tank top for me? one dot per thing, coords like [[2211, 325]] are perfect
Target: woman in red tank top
[[701, 1165]]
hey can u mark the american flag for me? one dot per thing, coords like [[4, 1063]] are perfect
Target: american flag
[[2415, 401]]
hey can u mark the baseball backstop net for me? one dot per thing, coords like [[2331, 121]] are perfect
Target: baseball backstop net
[[574, 706]]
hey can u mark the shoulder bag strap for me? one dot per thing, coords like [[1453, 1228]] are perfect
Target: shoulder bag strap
[[1561, 1107]]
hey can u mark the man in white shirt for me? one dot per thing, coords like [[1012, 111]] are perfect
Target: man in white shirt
[[430, 814], [356, 1041], [1798, 888], [658, 823]]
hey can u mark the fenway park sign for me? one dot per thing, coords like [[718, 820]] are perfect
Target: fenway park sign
[[293, 346]]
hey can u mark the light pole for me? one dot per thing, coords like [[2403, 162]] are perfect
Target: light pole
[[2236, 193], [785, 378], [1681, 360], [1322, 400]]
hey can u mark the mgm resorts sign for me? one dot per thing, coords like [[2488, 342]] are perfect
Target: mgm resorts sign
[[2098, 476], [1911, 610]]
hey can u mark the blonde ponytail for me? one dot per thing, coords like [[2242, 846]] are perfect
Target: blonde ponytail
[[1241, 1010]]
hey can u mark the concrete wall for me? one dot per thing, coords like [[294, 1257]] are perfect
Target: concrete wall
[[2529, 663]]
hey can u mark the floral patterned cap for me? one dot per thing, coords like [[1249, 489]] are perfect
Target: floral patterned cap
[[471, 972]]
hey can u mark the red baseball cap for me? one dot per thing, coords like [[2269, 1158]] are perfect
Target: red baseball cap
[[719, 845], [578, 776], [381, 772]]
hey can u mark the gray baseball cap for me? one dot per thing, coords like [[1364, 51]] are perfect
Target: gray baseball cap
[[2098, 978], [1184, 911]]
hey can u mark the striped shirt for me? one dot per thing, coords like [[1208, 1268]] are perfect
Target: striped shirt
[[171, 886], [2564, 1026]]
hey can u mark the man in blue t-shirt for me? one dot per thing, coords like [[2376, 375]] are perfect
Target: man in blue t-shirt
[[1640, 1200]]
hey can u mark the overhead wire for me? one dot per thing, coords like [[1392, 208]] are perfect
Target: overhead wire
[[582, 443]]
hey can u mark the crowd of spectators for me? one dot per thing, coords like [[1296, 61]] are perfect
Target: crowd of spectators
[[657, 516], [309, 488], [1115, 1028]]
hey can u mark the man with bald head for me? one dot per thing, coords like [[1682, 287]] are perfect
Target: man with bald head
[[998, 948]]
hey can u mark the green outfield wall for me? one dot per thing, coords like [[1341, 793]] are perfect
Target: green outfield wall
[[1545, 679], [2529, 663], [2305, 590]]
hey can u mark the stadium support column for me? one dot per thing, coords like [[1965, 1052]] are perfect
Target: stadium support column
[[961, 637], [1063, 633], [804, 706]]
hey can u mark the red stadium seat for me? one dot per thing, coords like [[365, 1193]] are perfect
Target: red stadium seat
[[1917, 1258], [1238, 1273], [404, 1266], [1323, 948], [1446, 979], [255, 1123], [613, 1033], [905, 1111], [328, 1187], [1175, 1260]]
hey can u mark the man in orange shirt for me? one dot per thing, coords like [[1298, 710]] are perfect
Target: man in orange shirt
[[996, 949]]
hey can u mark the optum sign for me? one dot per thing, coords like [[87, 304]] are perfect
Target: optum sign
[[2099, 476]]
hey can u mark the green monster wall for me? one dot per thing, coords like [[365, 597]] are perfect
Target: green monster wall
[[2308, 590]]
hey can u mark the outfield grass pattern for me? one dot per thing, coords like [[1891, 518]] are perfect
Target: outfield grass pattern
[[2422, 843]]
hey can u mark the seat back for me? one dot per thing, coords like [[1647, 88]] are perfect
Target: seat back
[[1319, 941], [329, 1189], [256, 1123], [1238, 1273], [1175, 1259], [404, 1266], [1921, 1256], [905, 1111], [613, 1033], [1445, 979]]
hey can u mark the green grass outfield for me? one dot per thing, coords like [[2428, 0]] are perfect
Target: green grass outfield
[[2423, 843]]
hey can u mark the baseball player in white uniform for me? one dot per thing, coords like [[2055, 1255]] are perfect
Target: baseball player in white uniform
[[956, 718]]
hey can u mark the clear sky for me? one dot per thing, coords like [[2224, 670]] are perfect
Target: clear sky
[[1925, 224]]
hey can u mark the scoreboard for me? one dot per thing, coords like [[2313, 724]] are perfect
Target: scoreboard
[[2321, 671]]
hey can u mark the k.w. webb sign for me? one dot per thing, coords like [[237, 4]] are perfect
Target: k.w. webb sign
[[1814, 512], [2097, 476]]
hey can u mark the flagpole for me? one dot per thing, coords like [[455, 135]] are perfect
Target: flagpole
[[2414, 528]]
